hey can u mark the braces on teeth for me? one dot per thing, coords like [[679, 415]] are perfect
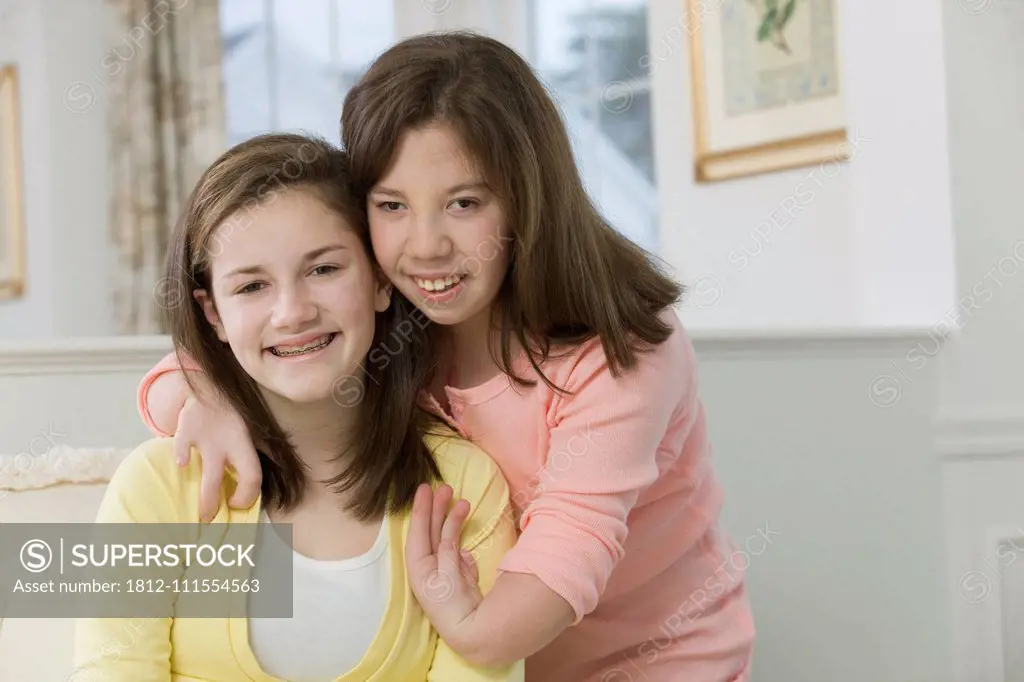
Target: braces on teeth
[[305, 349]]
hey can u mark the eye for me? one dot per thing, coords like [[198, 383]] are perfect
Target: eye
[[389, 206], [324, 269], [250, 288], [465, 203]]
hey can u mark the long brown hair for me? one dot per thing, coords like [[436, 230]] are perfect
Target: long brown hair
[[571, 275], [388, 458]]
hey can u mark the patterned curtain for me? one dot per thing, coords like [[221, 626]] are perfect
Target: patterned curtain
[[166, 125]]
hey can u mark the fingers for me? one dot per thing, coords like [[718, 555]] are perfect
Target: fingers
[[442, 500], [250, 477], [469, 567], [182, 450], [418, 544], [452, 528], [449, 557], [210, 488], [433, 529]]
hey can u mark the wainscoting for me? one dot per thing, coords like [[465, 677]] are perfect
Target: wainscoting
[[827, 439], [76, 391], [983, 469]]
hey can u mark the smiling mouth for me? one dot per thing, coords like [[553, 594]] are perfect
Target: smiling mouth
[[438, 286], [311, 347]]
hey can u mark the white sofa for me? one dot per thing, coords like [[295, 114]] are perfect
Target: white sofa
[[67, 417], [40, 649]]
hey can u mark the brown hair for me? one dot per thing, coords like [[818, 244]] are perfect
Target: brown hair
[[388, 458], [571, 275]]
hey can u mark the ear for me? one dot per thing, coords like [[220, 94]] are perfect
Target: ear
[[205, 301], [382, 297]]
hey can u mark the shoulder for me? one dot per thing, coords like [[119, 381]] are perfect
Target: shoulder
[[148, 482], [663, 369], [474, 477], [149, 463], [470, 471]]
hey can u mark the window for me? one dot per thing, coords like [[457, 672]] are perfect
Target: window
[[591, 56], [288, 63]]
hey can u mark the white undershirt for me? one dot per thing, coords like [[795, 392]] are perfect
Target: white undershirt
[[337, 610]]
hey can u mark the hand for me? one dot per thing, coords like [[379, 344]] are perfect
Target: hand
[[443, 577], [221, 437]]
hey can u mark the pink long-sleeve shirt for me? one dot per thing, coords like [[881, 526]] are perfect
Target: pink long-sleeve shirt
[[618, 507]]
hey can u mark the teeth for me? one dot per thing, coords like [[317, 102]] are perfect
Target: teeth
[[439, 284], [299, 350]]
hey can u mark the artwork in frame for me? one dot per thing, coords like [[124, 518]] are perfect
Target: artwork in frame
[[12, 221], [767, 92]]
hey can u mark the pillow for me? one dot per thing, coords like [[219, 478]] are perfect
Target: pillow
[[59, 464]]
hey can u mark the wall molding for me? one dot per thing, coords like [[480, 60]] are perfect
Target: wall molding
[[995, 435], [82, 354], [116, 353], [803, 342], [1000, 542]]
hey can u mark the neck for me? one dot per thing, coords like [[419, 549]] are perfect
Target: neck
[[319, 432], [469, 350]]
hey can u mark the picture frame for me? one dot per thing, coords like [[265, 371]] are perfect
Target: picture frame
[[12, 215], [766, 88]]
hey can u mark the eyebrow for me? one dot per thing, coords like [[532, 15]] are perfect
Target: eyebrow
[[463, 187], [312, 255]]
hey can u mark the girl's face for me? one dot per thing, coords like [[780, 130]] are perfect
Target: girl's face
[[438, 232], [294, 294]]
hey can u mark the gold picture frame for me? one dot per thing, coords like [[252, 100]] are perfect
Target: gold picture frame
[[763, 100], [12, 214]]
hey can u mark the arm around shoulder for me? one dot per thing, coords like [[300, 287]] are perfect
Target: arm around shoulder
[[162, 393], [602, 453], [488, 534]]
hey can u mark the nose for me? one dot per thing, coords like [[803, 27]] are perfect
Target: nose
[[429, 239], [294, 308]]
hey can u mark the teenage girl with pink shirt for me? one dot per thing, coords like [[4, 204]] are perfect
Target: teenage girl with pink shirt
[[562, 358]]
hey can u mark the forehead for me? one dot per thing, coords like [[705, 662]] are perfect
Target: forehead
[[285, 224], [432, 154]]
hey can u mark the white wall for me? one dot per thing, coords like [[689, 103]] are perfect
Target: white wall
[[980, 421], [32, 314], [873, 243], [78, 34], [985, 62], [58, 46]]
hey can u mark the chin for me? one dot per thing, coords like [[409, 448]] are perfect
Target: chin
[[455, 312], [301, 389], [446, 317], [304, 394]]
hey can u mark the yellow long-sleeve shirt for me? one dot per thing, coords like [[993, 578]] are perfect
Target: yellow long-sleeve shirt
[[149, 487]]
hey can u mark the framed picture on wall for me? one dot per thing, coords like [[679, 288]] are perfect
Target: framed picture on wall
[[767, 93], [12, 217]]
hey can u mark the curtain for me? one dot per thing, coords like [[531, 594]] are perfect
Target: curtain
[[166, 119]]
